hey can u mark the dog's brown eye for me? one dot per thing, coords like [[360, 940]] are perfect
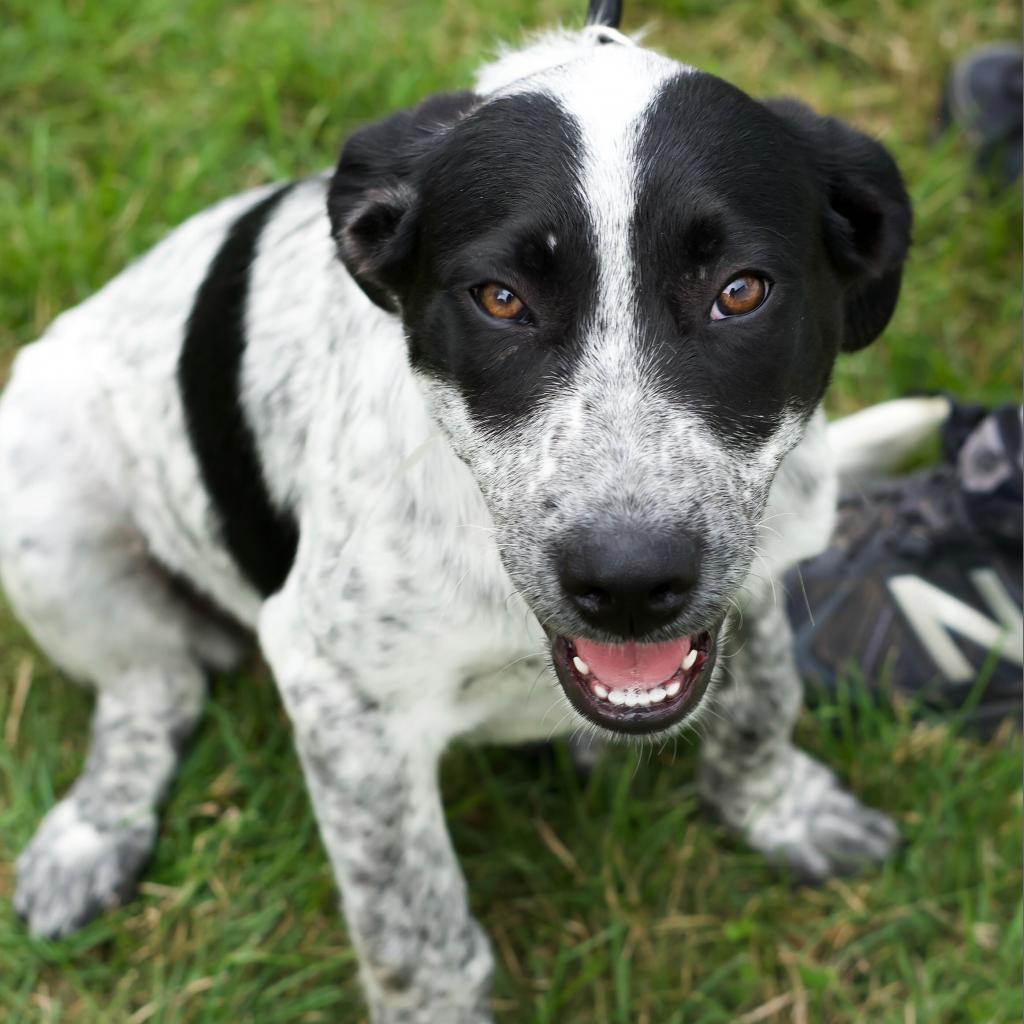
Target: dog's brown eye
[[500, 302], [741, 295]]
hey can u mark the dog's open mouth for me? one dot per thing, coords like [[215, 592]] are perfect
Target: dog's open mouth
[[633, 687]]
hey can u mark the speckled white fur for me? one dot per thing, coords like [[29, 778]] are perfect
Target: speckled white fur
[[402, 624]]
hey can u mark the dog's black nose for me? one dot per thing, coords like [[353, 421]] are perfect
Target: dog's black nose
[[628, 581]]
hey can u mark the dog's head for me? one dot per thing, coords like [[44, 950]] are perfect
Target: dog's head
[[624, 284]]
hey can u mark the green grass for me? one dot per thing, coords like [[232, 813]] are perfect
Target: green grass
[[617, 902]]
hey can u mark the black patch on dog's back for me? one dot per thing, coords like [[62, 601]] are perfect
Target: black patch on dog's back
[[260, 538]]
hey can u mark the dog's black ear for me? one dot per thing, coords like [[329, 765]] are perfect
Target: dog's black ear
[[604, 12], [373, 194], [867, 216]]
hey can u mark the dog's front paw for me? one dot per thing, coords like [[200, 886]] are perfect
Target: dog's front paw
[[420, 1007], [72, 869], [422, 986], [429, 1015], [816, 828]]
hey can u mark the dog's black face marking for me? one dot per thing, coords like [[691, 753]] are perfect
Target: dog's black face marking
[[460, 192], [721, 194], [500, 201], [262, 539]]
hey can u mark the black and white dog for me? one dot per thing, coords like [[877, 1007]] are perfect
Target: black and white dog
[[556, 402]]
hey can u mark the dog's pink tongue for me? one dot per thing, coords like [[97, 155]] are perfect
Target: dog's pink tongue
[[643, 665]]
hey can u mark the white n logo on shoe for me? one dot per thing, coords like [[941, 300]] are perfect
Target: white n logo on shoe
[[934, 615]]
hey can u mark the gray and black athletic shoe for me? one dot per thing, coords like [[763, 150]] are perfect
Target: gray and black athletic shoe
[[921, 588], [983, 99]]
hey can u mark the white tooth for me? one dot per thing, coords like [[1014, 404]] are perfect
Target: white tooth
[[689, 660], [657, 695], [617, 697], [600, 691], [581, 666], [643, 698], [673, 688], [632, 698]]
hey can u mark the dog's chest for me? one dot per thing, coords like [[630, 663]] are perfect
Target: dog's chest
[[399, 574]]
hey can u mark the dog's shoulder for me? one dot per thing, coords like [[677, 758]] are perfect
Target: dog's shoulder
[[210, 354], [800, 514]]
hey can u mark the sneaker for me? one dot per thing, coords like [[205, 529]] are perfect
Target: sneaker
[[983, 98], [921, 589]]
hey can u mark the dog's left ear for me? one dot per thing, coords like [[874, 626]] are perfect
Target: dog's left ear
[[867, 216], [373, 195]]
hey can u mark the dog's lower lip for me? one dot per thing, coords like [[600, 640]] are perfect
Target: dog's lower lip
[[636, 709]]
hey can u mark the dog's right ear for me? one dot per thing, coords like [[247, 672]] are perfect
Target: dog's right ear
[[867, 220], [374, 193]]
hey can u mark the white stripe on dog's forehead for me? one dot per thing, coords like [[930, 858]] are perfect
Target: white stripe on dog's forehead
[[607, 97], [605, 91]]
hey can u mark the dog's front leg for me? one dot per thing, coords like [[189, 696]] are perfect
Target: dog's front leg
[[372, 775], [780, 799]]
